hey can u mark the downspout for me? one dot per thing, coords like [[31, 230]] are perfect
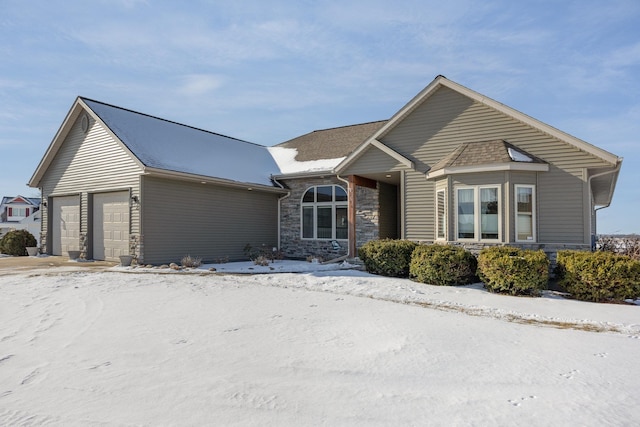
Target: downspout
[[280, 199], [349, 243], [614, 170]]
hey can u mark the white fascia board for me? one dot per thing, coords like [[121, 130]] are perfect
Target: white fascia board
[[380, 146], [514, 166], [56, 142]]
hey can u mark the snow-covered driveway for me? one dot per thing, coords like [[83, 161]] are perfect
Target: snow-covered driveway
[[325, 348]]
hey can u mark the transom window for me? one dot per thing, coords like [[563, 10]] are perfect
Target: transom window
[[478, 213], [324, 213]]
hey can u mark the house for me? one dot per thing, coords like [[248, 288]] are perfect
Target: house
[[451, 166], [18, 213]]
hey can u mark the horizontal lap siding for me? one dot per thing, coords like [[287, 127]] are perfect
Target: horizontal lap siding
[[373, 161], [89, 162], [208, 221], [448, 119], [560, 212]]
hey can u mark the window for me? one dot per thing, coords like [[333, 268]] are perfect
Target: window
[[466, 213], [525, 213], [324, 213], [478, 213], [489, 213], [18, 212], [441, 215]]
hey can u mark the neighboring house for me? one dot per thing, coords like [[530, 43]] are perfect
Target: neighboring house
[[451, 166], [18, 213]]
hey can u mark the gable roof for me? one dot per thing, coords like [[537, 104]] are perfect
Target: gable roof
[[171, 146], [484, 156], [33, 201], [160, 145], [441, 81], [331, 143]]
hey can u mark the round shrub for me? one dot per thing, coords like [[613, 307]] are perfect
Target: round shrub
[[443, 265], [598, 276], [15, 242], [513, 271], [387, 257]]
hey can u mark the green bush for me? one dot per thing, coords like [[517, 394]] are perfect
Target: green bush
[[598, 276], [444, 265], [513, 271], [15, 242], [387, 257]]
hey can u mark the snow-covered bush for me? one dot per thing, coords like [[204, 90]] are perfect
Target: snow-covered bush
[[387, 257], [16, 242], [598, 276], [443, 265], [513, 271]]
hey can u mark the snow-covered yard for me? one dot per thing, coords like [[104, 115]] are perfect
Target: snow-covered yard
[[332, 348]]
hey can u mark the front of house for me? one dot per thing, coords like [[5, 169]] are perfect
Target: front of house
[[451, 166]]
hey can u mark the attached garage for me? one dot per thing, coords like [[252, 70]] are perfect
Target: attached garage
[[65, 224], [110, 225]]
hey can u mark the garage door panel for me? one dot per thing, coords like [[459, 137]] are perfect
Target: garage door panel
[[110, 225], [65, 223]]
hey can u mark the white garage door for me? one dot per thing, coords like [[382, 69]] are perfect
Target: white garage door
[[110, 225], [65, 225]]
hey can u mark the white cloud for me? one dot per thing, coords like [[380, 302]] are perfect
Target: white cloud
[[200, 84]]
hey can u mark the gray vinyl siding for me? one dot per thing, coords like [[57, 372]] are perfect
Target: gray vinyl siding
[[208, 221], [448, 119], [419, 207], [371, 161], [86, 163]]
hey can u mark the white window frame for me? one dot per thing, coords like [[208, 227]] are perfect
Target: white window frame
[[333, 204], [477, 217], [533, 212], [445, 216]]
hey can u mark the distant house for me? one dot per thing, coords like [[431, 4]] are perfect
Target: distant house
[[19, 212], [451, 166]]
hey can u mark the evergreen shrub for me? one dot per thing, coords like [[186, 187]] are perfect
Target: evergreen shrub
[[444, 265], [15, 242], [513, 271], [387, 257], [598, 276]]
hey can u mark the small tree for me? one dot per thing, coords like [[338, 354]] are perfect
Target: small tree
[[16, 242]]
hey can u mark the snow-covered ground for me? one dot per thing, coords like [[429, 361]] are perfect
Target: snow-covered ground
[[336, 347]]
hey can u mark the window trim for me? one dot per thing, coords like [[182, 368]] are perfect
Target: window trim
[[477, 215], [333, 204], [534, 230]]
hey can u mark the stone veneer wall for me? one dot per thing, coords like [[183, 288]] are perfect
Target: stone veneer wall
[[291, 243]]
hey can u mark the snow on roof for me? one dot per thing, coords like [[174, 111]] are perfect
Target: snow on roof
[[167, 145], [286, 160]]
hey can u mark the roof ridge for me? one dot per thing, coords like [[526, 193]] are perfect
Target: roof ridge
[[83, 98], [352, 125]]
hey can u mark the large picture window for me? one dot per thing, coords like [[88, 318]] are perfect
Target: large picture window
[[324, 213], [478, 213], [525, 213]]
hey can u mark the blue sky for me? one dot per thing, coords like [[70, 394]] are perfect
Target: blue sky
[[267, 71]]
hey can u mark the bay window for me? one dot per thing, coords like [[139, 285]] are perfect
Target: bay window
[[525, 213], [478, 213]]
